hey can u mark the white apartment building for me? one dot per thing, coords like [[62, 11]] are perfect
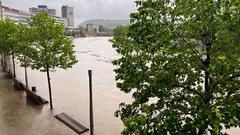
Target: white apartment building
[[42, 8], [20, 16], [91, 28], [24, 16], [67, 14], [58, 19], [15, 15], [10, 13]]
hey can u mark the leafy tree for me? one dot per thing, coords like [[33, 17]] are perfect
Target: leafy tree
[[180, 61], [82, 32], [70, 33], [7, 29], [73, 33], [66, 33], [100, 28], [23, 39], [49, 48], [120, 30]]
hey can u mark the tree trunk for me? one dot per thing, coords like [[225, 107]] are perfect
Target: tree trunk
[[201, 131], [4, 62], [49, 88], [7, 61], [14, 69]]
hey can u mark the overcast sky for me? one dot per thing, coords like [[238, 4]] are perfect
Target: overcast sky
[[83, 9]]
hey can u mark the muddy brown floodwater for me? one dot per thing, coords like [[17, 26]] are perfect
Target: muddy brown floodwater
[[70, 88], [70, 95]]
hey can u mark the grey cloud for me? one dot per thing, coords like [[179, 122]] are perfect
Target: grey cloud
[[83, 9]]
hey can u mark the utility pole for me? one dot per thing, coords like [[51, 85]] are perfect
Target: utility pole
[[26, 77]]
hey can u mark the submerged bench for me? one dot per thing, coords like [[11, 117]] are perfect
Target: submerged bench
[[18, 85], [70, 122], [35, 98]]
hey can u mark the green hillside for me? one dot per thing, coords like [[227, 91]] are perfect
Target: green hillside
[[109, 24]]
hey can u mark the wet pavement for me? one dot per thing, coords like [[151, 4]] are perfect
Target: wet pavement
[[19, 116]]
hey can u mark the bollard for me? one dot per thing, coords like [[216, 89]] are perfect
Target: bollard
[[34, 89]]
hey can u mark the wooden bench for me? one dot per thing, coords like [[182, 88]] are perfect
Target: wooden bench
[[35, 98], [18, 85], [71, 123]]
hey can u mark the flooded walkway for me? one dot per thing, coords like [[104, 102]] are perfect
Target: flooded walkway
[[19, 116], [70, 90]]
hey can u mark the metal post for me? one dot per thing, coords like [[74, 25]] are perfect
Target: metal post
[[90, 102], [26, 77]]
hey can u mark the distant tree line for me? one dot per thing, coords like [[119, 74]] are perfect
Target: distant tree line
[[100, 30]]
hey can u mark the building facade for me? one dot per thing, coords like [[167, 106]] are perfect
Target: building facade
[[42, 8], [58, 19], [68, 16], [10, 13], [24, 16], [91, 28], [20, 16]]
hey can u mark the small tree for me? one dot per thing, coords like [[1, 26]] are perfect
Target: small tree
[[23, 39], [7, 29], [82, 31], [100, 28], [181, 62], [49, 48]]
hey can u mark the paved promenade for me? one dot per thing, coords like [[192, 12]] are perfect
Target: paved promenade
[[19, 116]]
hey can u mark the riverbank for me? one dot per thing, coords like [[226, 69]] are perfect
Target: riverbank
[[20, 116]]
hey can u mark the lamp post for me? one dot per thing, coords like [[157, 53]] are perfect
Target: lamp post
[[90, 103]]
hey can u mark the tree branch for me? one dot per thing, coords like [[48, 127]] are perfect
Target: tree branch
[[226, 80], [194, 51]]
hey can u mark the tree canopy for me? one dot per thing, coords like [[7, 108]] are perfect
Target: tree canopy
[[120, 30], [180, 61], [7, 42], [41, 45], [49, 47], [7, 29], [23, 39], [101, 28]]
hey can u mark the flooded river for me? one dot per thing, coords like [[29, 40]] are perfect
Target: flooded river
[[70, 90], [70, 87]]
